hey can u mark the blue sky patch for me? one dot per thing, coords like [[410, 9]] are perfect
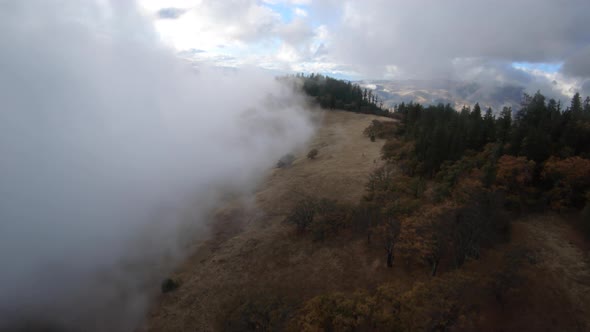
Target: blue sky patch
[[287, 12], [549, 67]]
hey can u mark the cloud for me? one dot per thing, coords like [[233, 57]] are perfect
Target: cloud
[[269, 34], [427, 39], [113, 150], [578, 65], [421, 39], [171, 13], [457, 40], [301, 12], [209, 23], [424, 37]]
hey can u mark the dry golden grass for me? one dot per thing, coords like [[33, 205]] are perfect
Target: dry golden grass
[[254, 254], [563, 262]]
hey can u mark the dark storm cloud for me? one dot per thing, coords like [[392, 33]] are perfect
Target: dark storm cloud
[[578, 64]]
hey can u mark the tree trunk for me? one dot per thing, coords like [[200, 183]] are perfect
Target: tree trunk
[[434, 268], [390, 258]]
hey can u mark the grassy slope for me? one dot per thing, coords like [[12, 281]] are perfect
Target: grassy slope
[[254, 254]]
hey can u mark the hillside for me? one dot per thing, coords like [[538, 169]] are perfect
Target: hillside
[[457, 93], [257, 273], [254, 255]]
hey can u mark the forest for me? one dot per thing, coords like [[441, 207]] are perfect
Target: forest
[[331, 93], [451, 186]]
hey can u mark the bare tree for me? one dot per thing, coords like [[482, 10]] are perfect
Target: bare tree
[[391, 230]]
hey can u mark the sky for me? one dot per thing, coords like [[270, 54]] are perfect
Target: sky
[[541, 44]]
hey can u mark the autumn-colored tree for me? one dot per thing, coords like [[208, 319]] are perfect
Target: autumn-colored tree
[[514, 176], [389, 232], [329, 219], [479, 218], [336, 312], [436, 305], [381, 129], [320, 217], [397, 193], [365, 217], [570, 178], [514, 172], [302, 214], [426, 236]]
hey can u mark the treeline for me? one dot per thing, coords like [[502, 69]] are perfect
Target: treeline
[[549, 145], [538, 130], [338, 94]]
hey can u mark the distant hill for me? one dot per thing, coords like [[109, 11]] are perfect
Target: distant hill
[[456, 93]]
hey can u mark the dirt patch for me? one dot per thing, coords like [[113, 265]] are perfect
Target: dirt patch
[[568, 266]]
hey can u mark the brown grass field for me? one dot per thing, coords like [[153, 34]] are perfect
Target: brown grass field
[[253, 253]]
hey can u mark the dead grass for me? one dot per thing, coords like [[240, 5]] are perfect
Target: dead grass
[[253, 253], [555, 294], [564, 264]]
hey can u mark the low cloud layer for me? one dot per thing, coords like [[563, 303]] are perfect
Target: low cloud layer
[[112, 150]]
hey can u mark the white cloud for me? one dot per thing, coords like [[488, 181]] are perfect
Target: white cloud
[[300, 12], [382, 38]]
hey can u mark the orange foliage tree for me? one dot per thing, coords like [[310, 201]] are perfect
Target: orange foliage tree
[[425, 236], [514, 175], [436, 305], [570, 179]]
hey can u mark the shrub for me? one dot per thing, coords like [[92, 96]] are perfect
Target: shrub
[[256, 312], [286, 161], [381, 129], [320, 217], [169, 285], [302, 214], [331, 217], [312, 154]]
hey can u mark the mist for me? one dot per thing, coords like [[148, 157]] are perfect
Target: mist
[[112, 152]]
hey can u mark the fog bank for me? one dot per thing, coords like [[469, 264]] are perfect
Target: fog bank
[[106, 139]]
